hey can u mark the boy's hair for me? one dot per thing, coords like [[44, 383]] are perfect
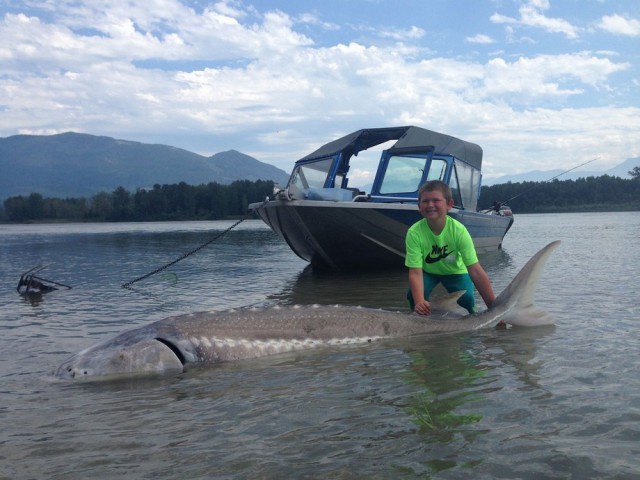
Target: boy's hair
[[436, 186]]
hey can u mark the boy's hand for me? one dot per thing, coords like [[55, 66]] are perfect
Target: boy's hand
[[423, 308]]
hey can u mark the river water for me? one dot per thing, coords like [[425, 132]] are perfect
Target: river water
[[554, 402]]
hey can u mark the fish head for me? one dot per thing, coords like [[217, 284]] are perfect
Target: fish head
[[110, 360]]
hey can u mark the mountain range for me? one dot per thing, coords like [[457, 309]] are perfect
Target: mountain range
[[621, 170], [81, 165]]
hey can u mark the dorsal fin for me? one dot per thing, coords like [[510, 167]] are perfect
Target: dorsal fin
[[447, 303]]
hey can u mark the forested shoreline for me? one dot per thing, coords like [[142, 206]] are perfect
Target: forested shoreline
[[176, 202], [213, 201], [591, 194]]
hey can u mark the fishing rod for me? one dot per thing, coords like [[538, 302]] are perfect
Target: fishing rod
[[552, 178]]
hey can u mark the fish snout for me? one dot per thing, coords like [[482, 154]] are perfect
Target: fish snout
[[147, 357], [69, 372]]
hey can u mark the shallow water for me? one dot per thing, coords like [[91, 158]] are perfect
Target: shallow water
[[553, 402]]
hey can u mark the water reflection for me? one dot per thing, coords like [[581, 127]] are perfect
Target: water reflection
[[519, 349], [446, 371], [373, 289], [457, 376], [32, 298]]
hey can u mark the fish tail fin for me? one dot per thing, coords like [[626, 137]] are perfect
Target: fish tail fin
[[517, 298]]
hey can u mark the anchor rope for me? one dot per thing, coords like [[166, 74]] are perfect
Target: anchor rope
[[192, 252]]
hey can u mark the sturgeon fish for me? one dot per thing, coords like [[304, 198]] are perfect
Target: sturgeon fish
[[174, 344]]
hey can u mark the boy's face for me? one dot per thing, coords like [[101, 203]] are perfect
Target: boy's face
[[433, 205]]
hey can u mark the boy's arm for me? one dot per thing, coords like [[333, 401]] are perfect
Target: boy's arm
[[416, 283], [483, 284]]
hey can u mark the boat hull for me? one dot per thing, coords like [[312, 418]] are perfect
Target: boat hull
[[363, 235]]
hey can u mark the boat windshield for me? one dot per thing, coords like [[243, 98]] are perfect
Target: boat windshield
[[403, 174], [310, 175]]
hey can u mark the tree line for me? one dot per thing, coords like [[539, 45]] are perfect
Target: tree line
[[180, 201], [214, 201], [603, 193]]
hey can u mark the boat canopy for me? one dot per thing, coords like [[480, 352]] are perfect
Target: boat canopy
[[410, 138]]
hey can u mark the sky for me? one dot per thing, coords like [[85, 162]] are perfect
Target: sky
[[539, 84]]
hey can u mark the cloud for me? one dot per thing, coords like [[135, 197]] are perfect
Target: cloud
[[480, 38], [619, 25], [531, 16], [314, 19], [534, 78], [171, 33], [403, 35]]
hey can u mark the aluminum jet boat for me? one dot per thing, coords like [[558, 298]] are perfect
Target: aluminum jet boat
[[334, 226]]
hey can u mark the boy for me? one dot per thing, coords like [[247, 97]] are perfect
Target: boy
[[440, 249]]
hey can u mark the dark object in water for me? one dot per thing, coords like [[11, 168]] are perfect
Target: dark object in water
[[31, 283]]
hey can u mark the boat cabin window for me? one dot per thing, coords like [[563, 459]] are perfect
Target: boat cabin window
[[455, 191], [310, 175], [437, 170], [403, 174], [465, 185]]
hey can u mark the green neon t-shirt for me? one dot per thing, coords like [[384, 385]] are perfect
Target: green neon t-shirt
[[446, 254]]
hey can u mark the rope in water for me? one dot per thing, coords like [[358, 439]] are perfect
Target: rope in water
[[188, 254]]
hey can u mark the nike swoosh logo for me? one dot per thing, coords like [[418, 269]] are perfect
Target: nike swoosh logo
[[430, 259]]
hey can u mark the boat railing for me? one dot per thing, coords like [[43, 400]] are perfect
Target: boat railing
[[384, 198], [341, 195]]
